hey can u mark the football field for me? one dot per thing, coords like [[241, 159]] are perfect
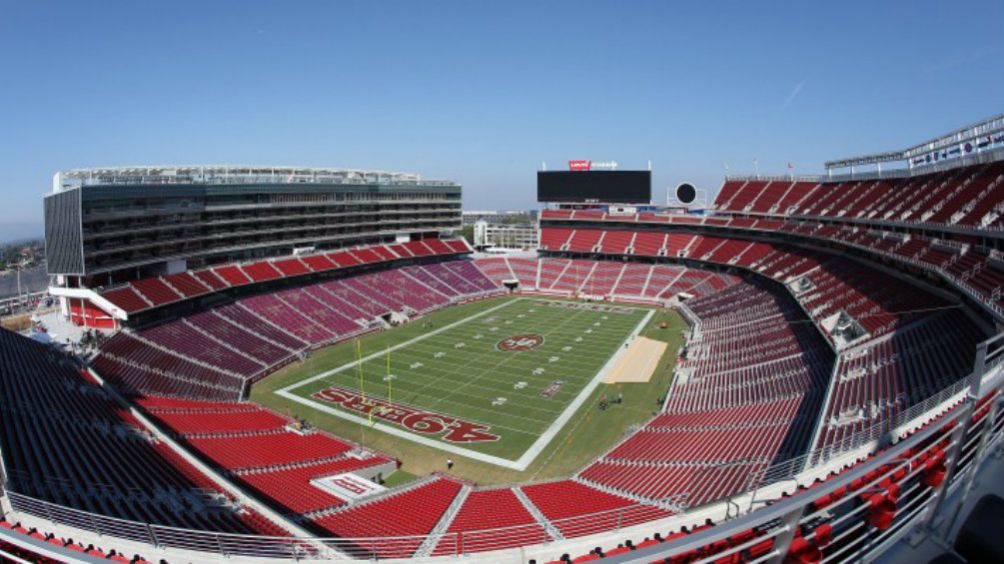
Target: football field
[[496, 385]]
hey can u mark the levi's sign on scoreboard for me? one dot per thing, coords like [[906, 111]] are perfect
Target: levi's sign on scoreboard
[[592, 165]]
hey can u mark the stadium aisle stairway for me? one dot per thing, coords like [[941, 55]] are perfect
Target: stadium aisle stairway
[[492, 509], [736, 386], [825, 284], [65, 441], [602, 278], [415, 510], [213, 354], [242, 440], [577, 509], [147, 293]]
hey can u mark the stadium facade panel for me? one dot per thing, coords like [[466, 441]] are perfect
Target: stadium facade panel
[[149, 222]]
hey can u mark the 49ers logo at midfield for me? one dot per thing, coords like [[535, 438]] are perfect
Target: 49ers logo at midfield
[[520, 343]]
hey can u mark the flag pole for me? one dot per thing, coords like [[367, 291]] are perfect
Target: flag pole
[[362, 382], [359, 363], [390, 380]]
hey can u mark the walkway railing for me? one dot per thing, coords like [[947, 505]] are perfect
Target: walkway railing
[[465, 542]]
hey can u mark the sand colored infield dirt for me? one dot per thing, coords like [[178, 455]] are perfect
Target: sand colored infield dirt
[[639, 363]]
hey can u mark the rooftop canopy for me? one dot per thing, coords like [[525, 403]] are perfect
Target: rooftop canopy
[[230, 174]]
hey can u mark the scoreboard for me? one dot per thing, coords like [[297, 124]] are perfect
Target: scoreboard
[[595, 186]]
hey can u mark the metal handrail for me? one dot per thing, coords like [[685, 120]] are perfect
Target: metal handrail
[[392, 547]]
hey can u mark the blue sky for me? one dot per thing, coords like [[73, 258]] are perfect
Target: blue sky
[[481, 92]]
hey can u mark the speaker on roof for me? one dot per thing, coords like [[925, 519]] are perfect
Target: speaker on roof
[[686, 193]]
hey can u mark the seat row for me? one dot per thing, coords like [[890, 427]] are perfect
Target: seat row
[[147, 293], [968, 196], [65, 441], [214, 353], [759, 375], [626, 281], [964, 262]]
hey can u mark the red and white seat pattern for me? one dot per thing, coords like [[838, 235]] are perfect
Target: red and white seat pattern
[[147, 293], [605, 279], [262, 450], [969, 197], [212, 354], [750, 369], [66, 441]]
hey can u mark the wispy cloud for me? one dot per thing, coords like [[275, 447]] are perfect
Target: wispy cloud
[[794, 94], [958, 60]]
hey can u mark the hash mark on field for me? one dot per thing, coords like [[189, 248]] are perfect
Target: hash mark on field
[[447, 386], [467, 381], [439, 354], [488, 370], [585, 361]]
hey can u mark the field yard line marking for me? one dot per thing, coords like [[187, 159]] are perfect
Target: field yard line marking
[[459, 368], [406, 435], [397, 346], [573, 363], [528, 456], [541, 423], [505, 359], [504, 389], [471, 381], [531, 453]]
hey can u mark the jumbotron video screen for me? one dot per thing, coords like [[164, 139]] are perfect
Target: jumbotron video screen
[[606, 186]]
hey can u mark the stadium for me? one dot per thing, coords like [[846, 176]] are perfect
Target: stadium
[[269, 364]]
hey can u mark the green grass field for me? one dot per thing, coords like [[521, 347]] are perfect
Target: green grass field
[[501, 386]]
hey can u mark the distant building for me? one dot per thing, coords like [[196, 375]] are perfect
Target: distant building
[[506, 236], [470, 217]]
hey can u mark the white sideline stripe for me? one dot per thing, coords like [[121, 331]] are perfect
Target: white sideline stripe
[[528, 456], [378, 354], [570, 410], [394, 430]]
